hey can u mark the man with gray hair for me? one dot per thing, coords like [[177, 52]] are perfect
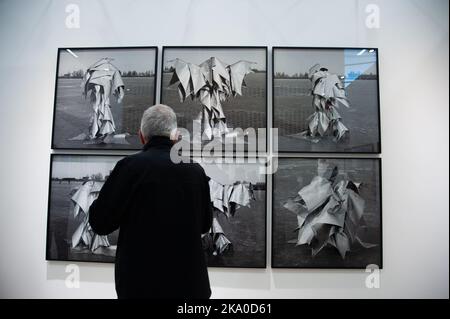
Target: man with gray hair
[[158, 120], [161, 208]]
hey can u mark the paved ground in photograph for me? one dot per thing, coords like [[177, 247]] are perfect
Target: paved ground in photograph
[[293, 105], [246, 230], [62, 225], [246, 111], [73, 112]]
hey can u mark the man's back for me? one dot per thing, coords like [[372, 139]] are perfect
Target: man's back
[[162, 209]]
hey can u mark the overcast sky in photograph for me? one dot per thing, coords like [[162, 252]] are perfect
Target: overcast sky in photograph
[[339, 61], [227, 56], [139, 60], [80, 166]]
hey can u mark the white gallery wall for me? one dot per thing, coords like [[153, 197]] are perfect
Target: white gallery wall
[[412, 37]]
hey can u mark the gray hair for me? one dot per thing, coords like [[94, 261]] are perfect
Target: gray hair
[[158, 120]]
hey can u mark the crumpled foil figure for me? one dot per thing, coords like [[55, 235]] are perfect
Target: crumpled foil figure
[[328, 91], [211, 82], [329, 211], [226, 199], [100, 81], [82, 200], [216, 241]]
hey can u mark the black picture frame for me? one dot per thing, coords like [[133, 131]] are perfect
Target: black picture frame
[[50, 240], [102, 147], [329, 150], [50, 230], [266, 95], [264, 210], [377, 160]]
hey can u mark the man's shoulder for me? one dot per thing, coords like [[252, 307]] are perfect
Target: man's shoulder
[[145, 159], [188, 163], [131, 161]]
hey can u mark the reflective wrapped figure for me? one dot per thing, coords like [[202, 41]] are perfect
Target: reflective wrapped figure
[[226, 199], [82, 200], [329, 211], [212, 82], [101, 80], [328, 91]]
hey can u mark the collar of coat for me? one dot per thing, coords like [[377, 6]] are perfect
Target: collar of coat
[[158, 141]]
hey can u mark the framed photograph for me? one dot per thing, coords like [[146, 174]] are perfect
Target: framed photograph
[[238, 193], [218, 93], [100, 95], [326, 213], [326, 99], [75, 182], [238, 235]]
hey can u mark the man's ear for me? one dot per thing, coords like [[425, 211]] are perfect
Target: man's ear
[[174, 135], [142, 138]]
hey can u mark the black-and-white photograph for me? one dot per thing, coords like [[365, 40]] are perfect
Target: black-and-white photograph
[[75, 183], [100, 96], [214, 90], [326, 100], [326, 213], [237, 237], [238, 234]]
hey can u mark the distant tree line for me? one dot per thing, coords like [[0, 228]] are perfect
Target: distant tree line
[[172, 69], [169, 70], [94, 177], [78, 74], [283, 75], [369, 76], [73, 74], [351, 75], [130, 74]]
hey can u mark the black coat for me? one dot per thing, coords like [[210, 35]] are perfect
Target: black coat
[[162, 209]]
